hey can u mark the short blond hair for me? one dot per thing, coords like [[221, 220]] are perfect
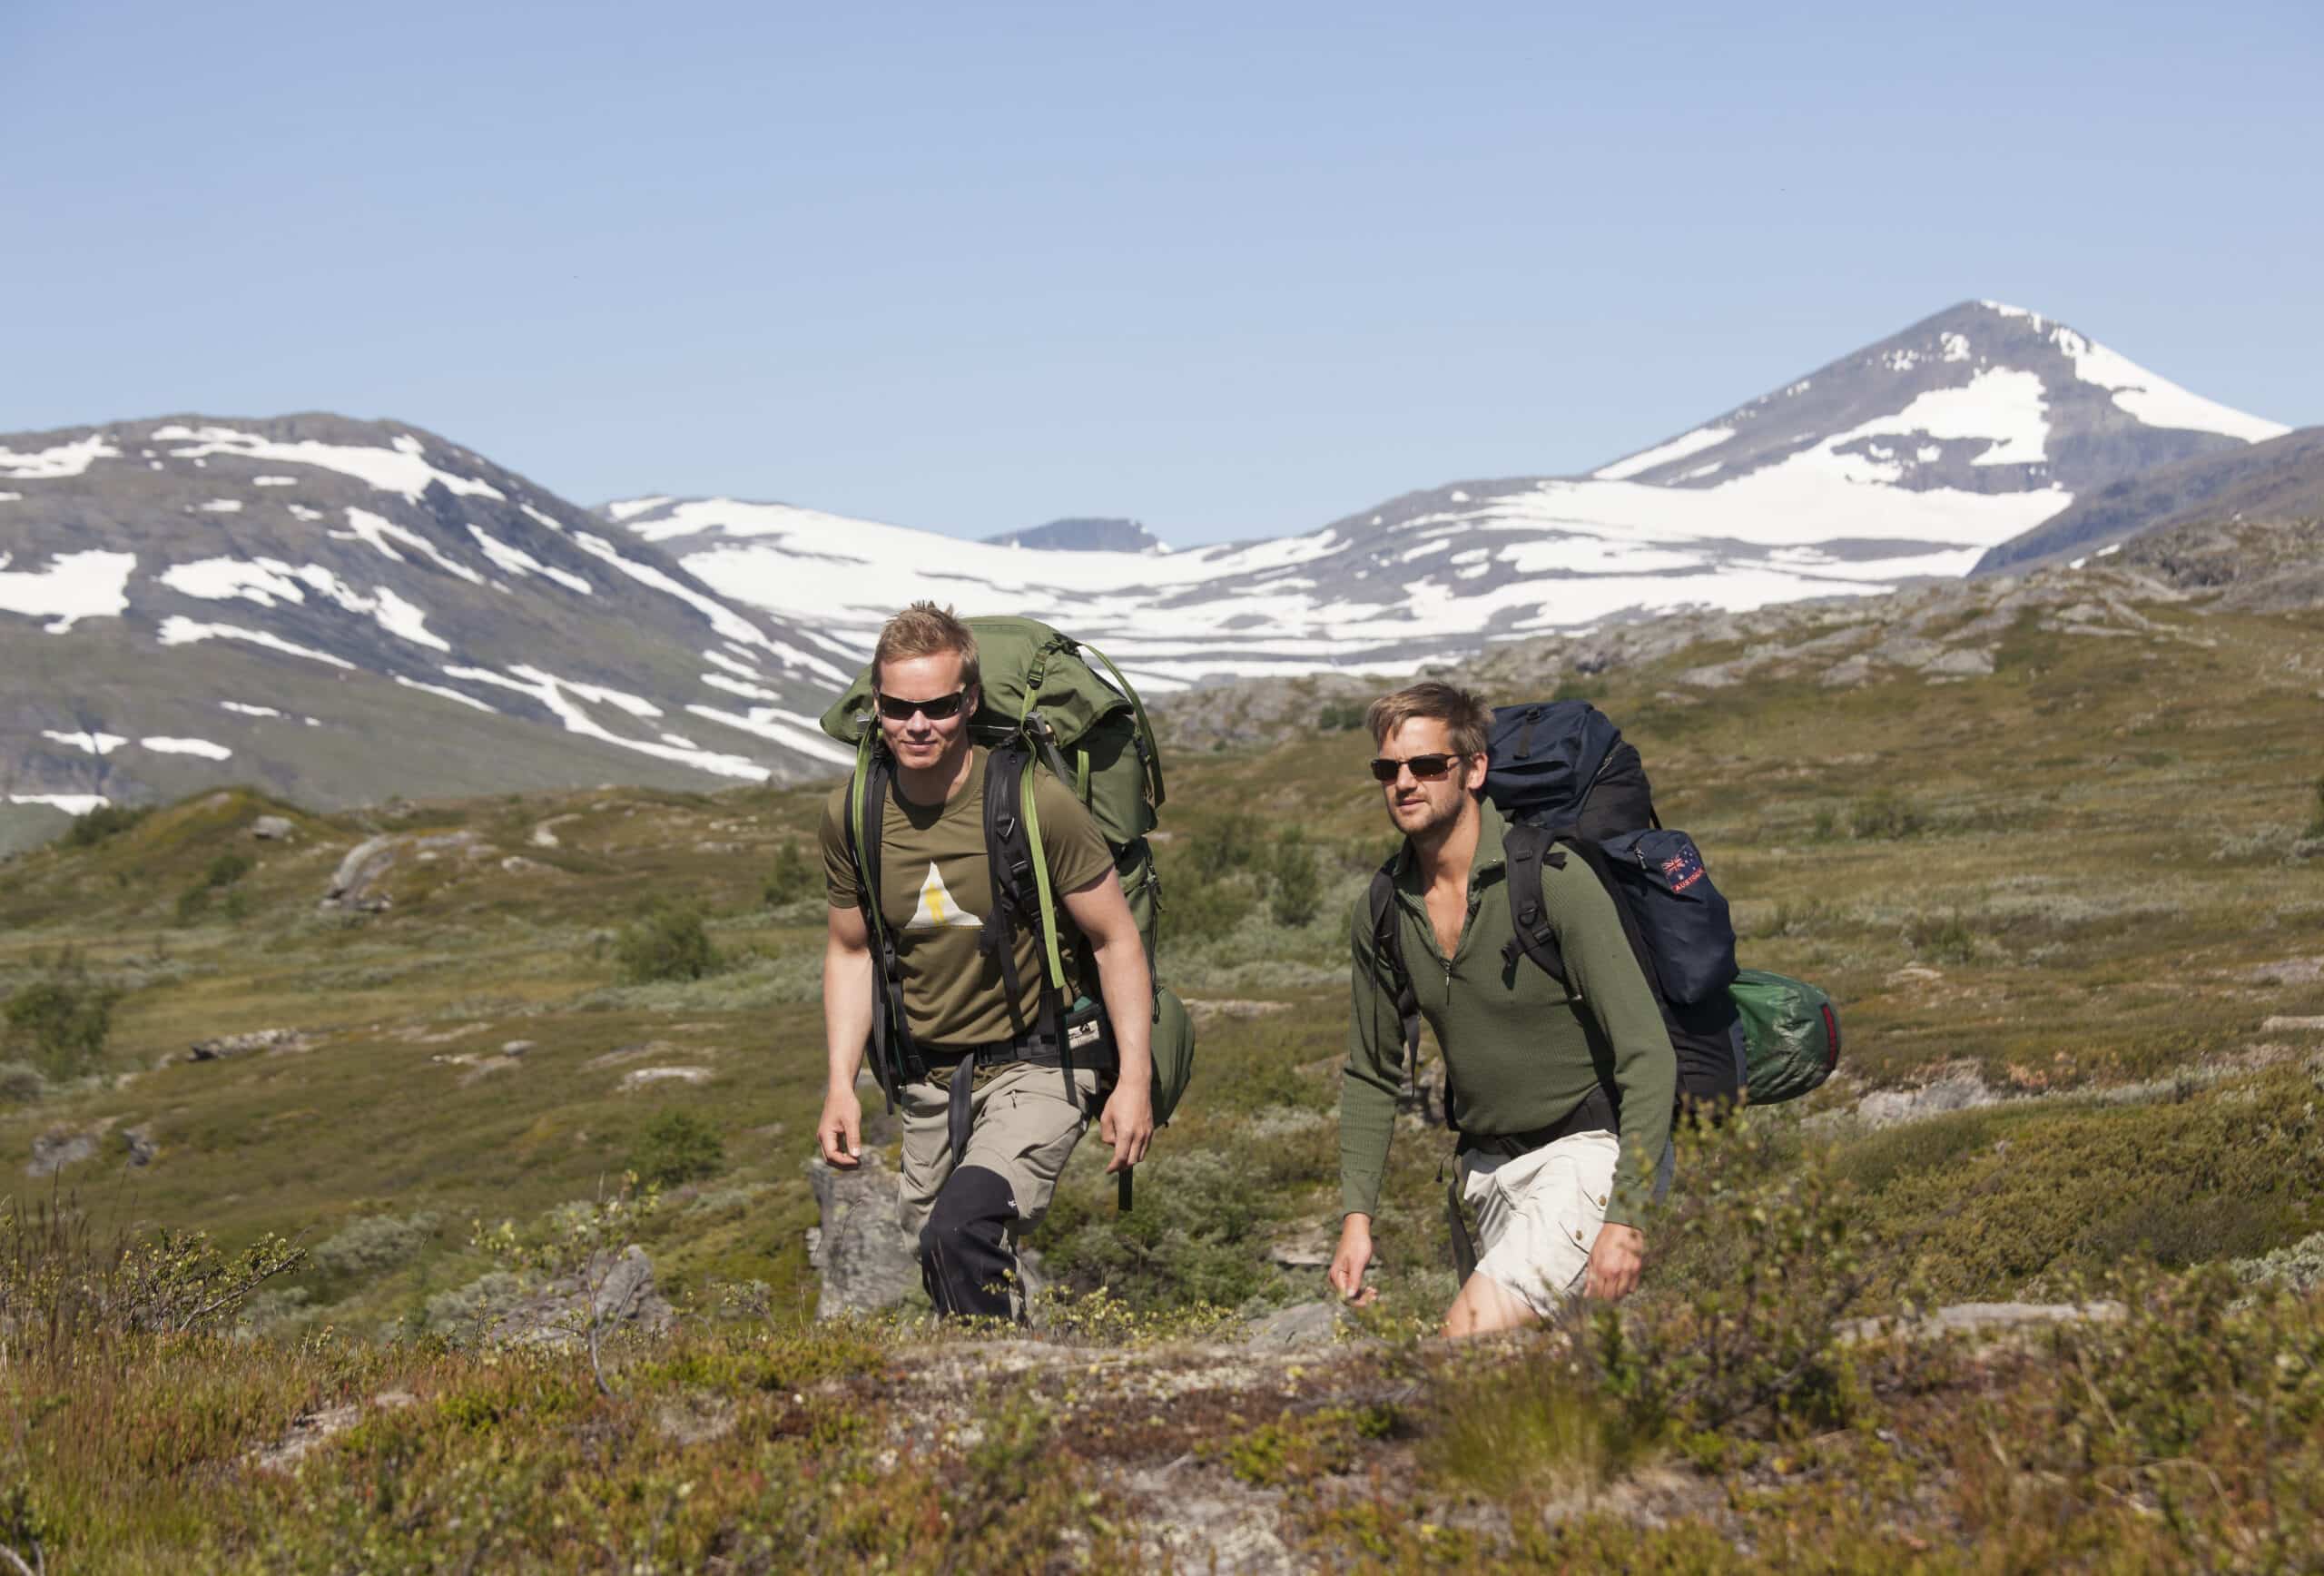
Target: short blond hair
[[1465, 718], [924, 629]]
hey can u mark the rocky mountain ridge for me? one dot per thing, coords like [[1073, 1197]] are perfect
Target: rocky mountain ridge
[[339, 610], [1941, 631]]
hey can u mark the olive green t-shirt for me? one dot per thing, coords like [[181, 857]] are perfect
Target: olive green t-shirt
[[936, 890]]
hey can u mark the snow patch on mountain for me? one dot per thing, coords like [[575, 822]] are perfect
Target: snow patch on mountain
[[74, 587], [179, 630], [94, 744], [376, 532], [517, 561], [58, 461], [266, 581], [2156, 400], [201, 747], [401, 468], [1677, 448], [71, 804], [447, 693], [560, 697]]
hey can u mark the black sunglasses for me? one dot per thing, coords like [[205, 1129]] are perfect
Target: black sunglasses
[[1424, 768], [941, 709]]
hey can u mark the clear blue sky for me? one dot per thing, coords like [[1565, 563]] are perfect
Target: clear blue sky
[[1234, 270]]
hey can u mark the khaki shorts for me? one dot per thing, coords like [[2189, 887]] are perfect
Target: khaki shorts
[[1538, 1214], [1022, 1126]]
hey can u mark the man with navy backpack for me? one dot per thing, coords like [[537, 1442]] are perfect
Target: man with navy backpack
[[1561, 1090], [994, 1092]]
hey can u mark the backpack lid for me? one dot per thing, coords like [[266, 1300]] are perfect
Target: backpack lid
[[1025, 666], [1542, 756]]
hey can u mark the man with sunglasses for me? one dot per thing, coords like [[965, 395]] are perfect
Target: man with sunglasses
[[988, 1118], [1548, 1155]]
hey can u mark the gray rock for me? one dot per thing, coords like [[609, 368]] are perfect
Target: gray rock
[[1985, 1319], [1962, 664], [866, 1259], [627, 1287], [226, 1045], [1300, 1325], [57, 1148], [139, 1141], [365, 864], [273, 829], [1958, 1092]]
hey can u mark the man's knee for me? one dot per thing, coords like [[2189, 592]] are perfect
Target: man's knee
[[963, 1257], [1483, 1306]]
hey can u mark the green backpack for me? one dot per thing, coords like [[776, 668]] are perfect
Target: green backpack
[[1791, 1034], [1041, 706]]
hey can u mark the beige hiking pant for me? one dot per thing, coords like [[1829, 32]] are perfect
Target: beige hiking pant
[[1023, 1127]]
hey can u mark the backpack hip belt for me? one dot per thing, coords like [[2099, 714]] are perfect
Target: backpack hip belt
[[1596, 1111], [966, 1062]]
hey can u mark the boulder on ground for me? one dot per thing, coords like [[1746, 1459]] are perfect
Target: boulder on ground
[[273, 829], [866, 1259]]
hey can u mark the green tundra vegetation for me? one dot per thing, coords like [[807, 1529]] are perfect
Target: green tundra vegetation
[[2080, 900]]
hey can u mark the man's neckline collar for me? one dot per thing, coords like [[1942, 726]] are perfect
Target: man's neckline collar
[[1492, 830]]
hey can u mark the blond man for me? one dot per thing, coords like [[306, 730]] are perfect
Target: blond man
[[989, 1111]]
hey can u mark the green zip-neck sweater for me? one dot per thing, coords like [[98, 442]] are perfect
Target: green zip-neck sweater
[[1517, 1055]]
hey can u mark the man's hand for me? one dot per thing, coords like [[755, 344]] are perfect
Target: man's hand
[[1354, 1257], [1614, 1260], [1127, 1124], [839, 1135]]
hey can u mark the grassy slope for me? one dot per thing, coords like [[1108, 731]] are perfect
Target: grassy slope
[[2068, 875]]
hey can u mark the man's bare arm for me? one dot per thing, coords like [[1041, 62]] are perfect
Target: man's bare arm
[[848, 975], [1101, 914]]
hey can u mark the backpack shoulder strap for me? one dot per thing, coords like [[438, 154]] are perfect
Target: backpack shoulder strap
[[1021, 894], [1388, 957], [867, 801], [1526, 849]]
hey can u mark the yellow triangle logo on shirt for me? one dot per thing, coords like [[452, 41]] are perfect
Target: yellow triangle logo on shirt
[[938, 909]]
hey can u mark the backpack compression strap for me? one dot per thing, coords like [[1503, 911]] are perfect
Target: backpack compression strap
[[1388, 953], [1145, 729]]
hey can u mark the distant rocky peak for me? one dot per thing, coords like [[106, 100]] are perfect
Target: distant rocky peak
[[1983, 398], [1083, 535]]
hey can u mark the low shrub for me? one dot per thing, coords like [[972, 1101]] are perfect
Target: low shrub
[[106, 820], [664, 943], [1189, 1240], [20, 1083], [1296, 887], [61, 1019], [792, 879], [677, 1147], [367, 1247], [1340, 716], [1948, 940], [1228, 845], [1884, 817]]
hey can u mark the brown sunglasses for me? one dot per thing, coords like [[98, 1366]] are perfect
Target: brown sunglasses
[[1424, 768]]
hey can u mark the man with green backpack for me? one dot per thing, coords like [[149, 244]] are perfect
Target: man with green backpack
[[998, 1026]]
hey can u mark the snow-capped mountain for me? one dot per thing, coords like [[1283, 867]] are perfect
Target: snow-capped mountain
[[346, 609], [1908, 458]]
